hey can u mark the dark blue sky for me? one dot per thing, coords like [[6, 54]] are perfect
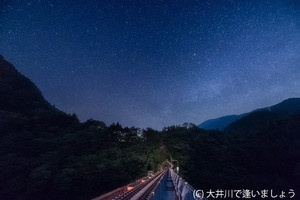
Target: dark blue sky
[[155, 63]]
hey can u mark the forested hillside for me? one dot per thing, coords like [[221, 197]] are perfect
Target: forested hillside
[[47, 154], [268, 158]]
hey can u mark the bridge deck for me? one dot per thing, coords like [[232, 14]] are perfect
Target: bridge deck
[[166, 185]]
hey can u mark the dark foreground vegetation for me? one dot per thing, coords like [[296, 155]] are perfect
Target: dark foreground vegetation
[[47, 154]]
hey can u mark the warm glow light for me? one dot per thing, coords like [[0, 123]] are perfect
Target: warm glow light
[[129, 188]]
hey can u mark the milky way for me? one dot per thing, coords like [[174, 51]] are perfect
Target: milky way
[[155, 63]]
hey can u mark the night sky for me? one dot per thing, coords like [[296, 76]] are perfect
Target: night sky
[[155, 63]]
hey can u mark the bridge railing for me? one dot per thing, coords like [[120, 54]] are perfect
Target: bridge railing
[[183, 189]]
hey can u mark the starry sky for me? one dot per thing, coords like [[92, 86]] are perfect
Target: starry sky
[[155, 63]]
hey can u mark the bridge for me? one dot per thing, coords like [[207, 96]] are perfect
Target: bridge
[[165, 184]]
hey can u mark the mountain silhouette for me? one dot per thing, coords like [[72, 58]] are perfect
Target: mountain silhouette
[[17, 92], [254, 118], [262, 118], [220, 122]]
